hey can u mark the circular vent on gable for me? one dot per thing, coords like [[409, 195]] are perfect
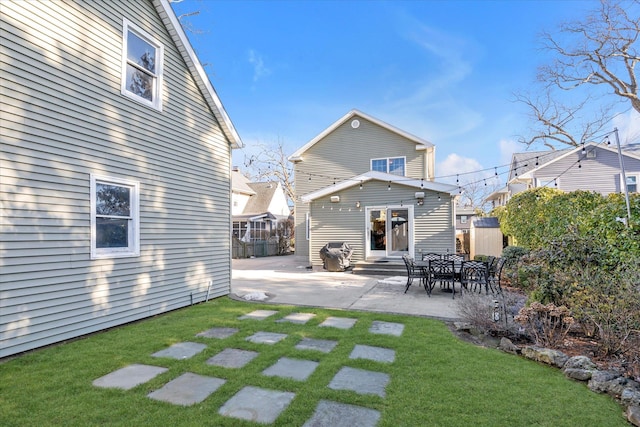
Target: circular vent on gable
[[355, 123]]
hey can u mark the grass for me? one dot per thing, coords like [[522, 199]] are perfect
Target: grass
[[436, 379]]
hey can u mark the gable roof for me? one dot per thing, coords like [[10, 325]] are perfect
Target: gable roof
[[629, 150], [421, 144], [521, 163], [240, 183], [163, 7], [380, 176], [264, 192]]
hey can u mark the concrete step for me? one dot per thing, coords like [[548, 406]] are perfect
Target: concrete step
[[380, 268]]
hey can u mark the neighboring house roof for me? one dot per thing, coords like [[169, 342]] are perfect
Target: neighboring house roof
[[240, 184], [421, 144], [630, 150], [496, 194], [380, 176], [486, 222], [522, 163], [264, 192], [163, 7]]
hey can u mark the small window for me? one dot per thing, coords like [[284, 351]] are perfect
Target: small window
[[463, 219], [632, 183], [142, 58], [114, 218], [394, 165]]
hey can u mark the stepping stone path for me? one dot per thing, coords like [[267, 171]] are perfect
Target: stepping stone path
[[291, 368], [300, 318], [181, 350], [232, 358], [386, 328], [377, 354], [263, 405], [324, 346], [339, 322], [187, 389], [220, 333]]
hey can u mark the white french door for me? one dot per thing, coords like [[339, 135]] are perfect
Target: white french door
[[389, 231]]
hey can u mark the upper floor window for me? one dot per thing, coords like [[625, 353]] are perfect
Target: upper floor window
[[392, 165], [114, 217], [632, 183], [142, 58]]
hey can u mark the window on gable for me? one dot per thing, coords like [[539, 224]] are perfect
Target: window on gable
[[142, 58], [114, 218], [392, 165]]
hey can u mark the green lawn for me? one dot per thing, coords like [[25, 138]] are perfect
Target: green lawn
[[436, 379]]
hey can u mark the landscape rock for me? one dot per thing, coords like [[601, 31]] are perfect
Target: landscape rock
[[579, 368], [545, 355], [600, 381], [630, 396], [508, 346], [633, 415]]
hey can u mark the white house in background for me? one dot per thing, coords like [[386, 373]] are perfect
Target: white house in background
[[594, 167], [115, 170], [257, 207]]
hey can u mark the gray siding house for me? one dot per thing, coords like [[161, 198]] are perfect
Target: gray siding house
[[367, 183], [594, 167], [115, 170]]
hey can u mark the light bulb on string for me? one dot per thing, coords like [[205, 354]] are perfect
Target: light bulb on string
[[389, 186], [361, 185]]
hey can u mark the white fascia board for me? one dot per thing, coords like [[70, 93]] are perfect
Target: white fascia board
[[380, 176], [163, 7]]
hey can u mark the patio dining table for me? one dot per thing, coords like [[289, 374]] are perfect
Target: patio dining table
[[434, 270]]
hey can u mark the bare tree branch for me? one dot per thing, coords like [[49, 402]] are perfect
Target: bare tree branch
[[271, 164]]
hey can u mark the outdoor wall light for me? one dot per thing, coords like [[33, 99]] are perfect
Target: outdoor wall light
[[358, 204], [420, 197], [335, 199]]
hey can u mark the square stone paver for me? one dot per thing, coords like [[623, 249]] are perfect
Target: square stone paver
[[339, 322], [258, 314], [187, 389], [324, 346], [377, 354], [300, 318], [129, 376], [181, 350], [386, 328], [266, 337], [360, 381], [232, 358], [219, 333], [257, 404], [291, 368], [334, 414]]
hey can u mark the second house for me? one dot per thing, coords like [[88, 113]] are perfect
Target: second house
[[371, 185]]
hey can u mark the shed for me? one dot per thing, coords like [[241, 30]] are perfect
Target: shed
[[486, 237]]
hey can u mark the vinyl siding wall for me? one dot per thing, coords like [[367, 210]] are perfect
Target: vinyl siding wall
[[600, 174], [345, 153], [63, 118], [343, 222]]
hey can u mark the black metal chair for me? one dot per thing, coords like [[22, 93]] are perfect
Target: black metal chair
[[495, 275], [430, 255], [414, 272], [474, 274], [443, 271]]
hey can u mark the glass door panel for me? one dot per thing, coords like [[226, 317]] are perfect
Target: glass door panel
[[398, 232]]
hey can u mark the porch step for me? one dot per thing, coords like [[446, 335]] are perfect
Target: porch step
[[380, 268]]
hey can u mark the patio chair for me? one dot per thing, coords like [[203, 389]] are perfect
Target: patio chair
[[443, 271], [430, 255], [495, 275], [474, 274], [414, 272]]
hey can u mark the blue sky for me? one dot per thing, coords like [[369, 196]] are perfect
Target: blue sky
[[445, 71]]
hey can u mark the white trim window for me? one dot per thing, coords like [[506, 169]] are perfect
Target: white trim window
[[547, 182], [115, 217], [142, 59], [392, 165], [632, 183]]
